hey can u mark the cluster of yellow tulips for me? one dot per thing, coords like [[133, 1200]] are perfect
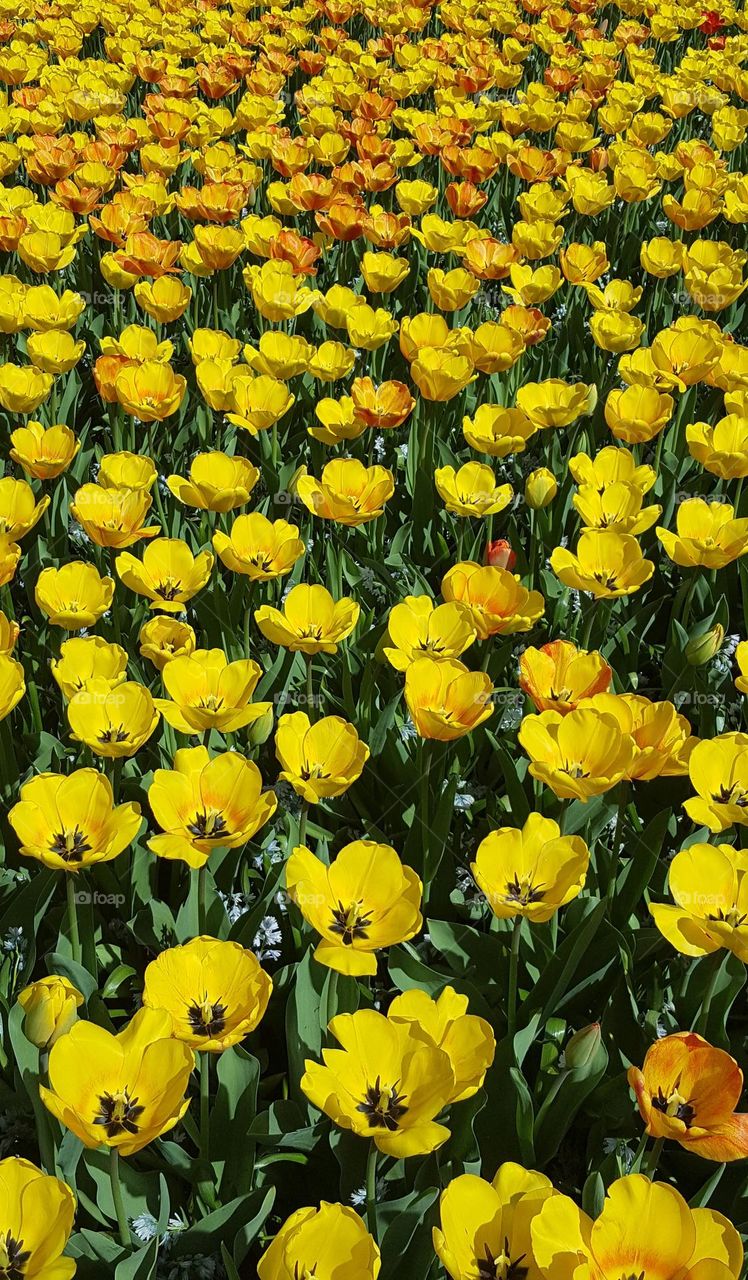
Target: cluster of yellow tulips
[[373, 658]]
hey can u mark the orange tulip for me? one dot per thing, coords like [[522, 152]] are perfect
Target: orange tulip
[[688, 1091]]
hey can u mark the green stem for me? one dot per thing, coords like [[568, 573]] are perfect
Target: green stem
[[588, 622], [205, 1106], [702, 1019], [119, 1208], [639, 1153], [688, 601], [511, 1005], [309, 688], [371, 1191], [75, 937], [654, 1159], [202, 900], [303, 815]]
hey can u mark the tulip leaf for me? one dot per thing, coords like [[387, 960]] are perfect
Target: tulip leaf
[[141, 1265], [243, 1215], [233, 1111], [406, 1246]]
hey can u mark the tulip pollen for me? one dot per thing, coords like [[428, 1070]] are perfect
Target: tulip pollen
[[208, 825], [13, 1259], [501, 1267], [382, 1106], [118, 1113], [349, 923], [207, 1018], [70, 846], [674, 1105]]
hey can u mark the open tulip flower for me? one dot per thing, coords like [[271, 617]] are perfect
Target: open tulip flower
[[471, 491], [718, 772], [484, 1227], [112, 722], [366, 899], [168, 575], [71, 822], [329, 1241], [688, 1091], [498, 603], [619, 506], [206, 691], [86, 658], [707, 535], [531, 871], [607, 563], [36, 1220], [558, 676], [555, 403], [387, 1082], [467, 1039], [259, 548], [74, 596], [445, 699], [348, 492], [418, 628], [609, 467], [645, 1228], [204, 804], [163, 638], [662, 738], [215, 482], [113, 517], [215, 992], [578, 755], [310, 622], [122, 1090], [710, 886], [319, 760]]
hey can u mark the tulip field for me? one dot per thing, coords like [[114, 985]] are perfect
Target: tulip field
[[373, 639]]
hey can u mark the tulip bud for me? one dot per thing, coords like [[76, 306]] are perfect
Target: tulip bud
[[702, 648], [50, 1007], [582, 1048], [499, 554], [540, 488], [260, 730]]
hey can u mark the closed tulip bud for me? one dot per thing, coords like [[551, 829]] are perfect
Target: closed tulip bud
[[50, 1008], [582, 1049], [541, 488], [702, 648], [499, 554], [261, 730]]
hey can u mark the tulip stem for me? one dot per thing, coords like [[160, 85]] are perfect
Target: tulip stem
[[119, 1207], [303, 815], [702, 1019], [589, 620], [309, 689], [205, 1106], [371, 1191], [654, 1158], [75, 937], [511, 1007], [202, 899]]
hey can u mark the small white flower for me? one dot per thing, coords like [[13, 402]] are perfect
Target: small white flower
[[267, 940], [144, 1226]]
